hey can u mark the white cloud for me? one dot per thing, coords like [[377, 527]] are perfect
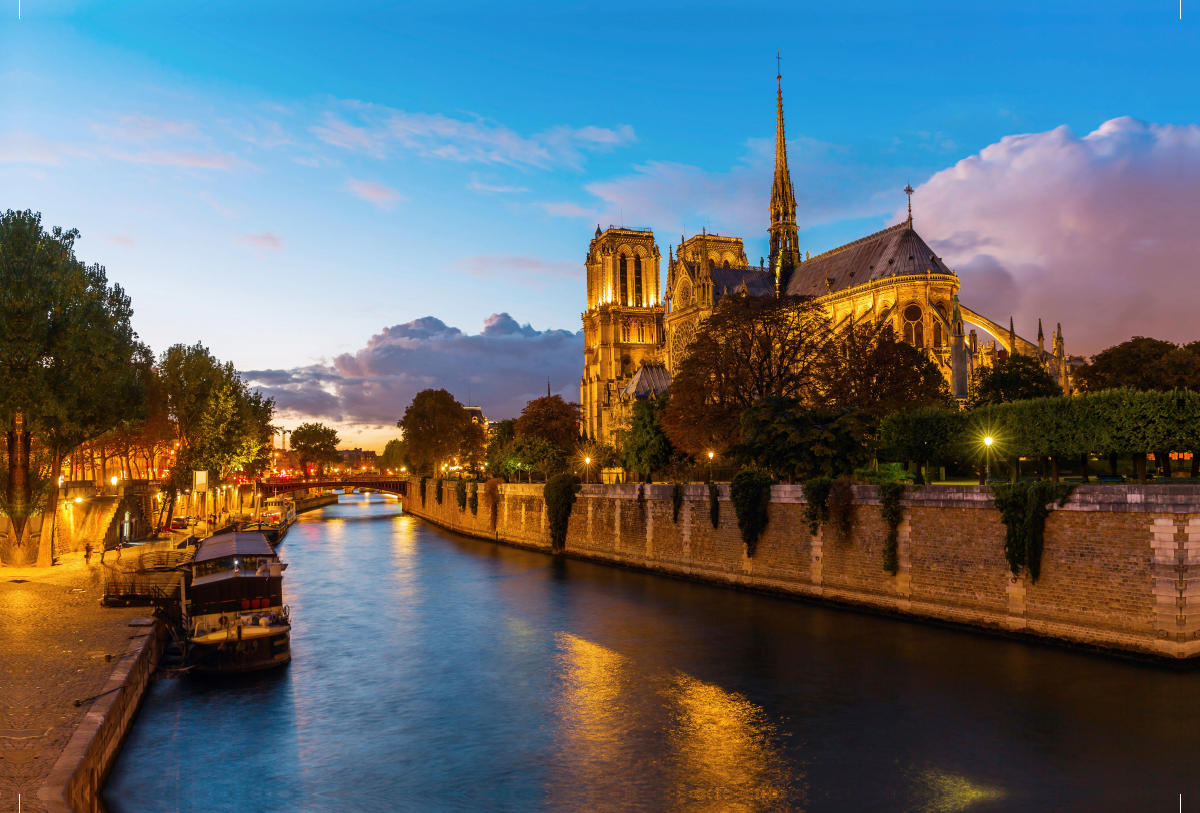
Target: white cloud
[[380, 196], [123, 240], [1097, 232], [675, 197], [376, 130], [479, 186], [505, 365]]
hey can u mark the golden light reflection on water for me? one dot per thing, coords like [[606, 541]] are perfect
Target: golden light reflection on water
[[629, 735], [942, 792]]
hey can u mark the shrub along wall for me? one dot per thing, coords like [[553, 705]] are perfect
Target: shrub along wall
[[1118, 567]]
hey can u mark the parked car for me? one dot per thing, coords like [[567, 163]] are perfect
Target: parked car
[[180, 523]]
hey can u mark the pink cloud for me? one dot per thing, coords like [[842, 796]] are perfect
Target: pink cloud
[[261, 242], [25, 148], [147, 128], [185, 159], [505, 365], [378, 195], [1097, 232], [529, 271], [123, 240]]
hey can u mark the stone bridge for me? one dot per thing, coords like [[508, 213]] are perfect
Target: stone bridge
[[390, 485]]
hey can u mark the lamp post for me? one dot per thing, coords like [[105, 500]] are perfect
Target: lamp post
[[587, 470], [987, 470], [710, 459]]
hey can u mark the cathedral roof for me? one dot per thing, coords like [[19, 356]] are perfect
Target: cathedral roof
[[895, 251], [759, 281], [651, 380]]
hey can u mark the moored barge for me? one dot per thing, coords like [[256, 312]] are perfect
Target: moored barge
[[234, 613]]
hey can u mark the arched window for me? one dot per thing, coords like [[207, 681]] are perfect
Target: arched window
[[914, 330], [725, 264], [637, 281], [624, 281], [625, 333], [938, 339], [641, 333]]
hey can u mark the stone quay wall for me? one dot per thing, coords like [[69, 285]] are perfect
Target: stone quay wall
[[1120, 568], [76, 779]]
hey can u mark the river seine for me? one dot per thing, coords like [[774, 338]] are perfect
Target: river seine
[[437, 673]]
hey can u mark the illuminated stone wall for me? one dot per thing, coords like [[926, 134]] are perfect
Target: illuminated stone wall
[[1119, 570]]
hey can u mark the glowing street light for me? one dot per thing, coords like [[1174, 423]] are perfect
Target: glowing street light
[[710, 459], [113, 480], [587, 471], [987, 467]]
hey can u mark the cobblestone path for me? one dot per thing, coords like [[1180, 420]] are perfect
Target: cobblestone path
[[54, 636]]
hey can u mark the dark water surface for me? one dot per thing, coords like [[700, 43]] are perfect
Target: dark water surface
[[437, 673]]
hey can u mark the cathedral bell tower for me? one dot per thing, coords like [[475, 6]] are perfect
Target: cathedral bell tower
[[785, 242], [623, 323]]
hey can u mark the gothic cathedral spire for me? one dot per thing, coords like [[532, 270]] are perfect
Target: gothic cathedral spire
[[785, 243]]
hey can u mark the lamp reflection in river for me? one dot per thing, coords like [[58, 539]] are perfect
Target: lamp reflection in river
[[663, 740]]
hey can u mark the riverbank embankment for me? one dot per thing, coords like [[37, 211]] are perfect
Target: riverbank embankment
[[1120, 569], [312, 503], [59, 645]]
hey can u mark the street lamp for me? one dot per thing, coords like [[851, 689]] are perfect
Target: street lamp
[[710, 459], [587, 470], [987, 470]]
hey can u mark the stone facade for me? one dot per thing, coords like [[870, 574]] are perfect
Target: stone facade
[[622, 326], [1118, 570]]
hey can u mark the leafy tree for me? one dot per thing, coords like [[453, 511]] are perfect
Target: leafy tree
[[927, 435], [315, 443], [550, 418], [473, 448], [532, 453], [782, 436], [434, 425], [1015, 378], [872, 371], [222, 425], [749, 349], [70, 362], [647, 448], [1141, 364], [395, 455]]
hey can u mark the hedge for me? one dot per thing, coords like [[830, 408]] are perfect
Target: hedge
[[1122, 421]]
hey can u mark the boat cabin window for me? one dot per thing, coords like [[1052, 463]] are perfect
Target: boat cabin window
[[244, 564]]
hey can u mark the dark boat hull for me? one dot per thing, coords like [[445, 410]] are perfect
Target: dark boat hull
[[243, 656]]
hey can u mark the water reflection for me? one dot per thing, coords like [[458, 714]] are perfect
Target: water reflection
[[711, 750], [437, 673]]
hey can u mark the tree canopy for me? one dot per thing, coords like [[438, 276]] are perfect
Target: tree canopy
[[1142, 364], [550, 418], [749, 349], [223, 426], [394, 456], [872, 371], [1016, 378], [646, 447], [435, 426], [783, 436], [70, 362], [315, 443]]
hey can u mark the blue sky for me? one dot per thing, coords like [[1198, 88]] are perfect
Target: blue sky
[[283, 181]]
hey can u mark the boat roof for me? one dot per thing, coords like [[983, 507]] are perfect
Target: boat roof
[[238, 543]]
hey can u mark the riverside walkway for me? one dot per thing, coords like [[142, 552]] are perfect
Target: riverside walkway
[[54, 637]]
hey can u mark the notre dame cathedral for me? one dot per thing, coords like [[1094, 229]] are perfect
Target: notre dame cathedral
[[634, 339]]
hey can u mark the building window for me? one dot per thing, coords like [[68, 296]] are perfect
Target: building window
[[641, 333], [914, 330], [624, 282], [637, 281], [937, 328], [625, 333]]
